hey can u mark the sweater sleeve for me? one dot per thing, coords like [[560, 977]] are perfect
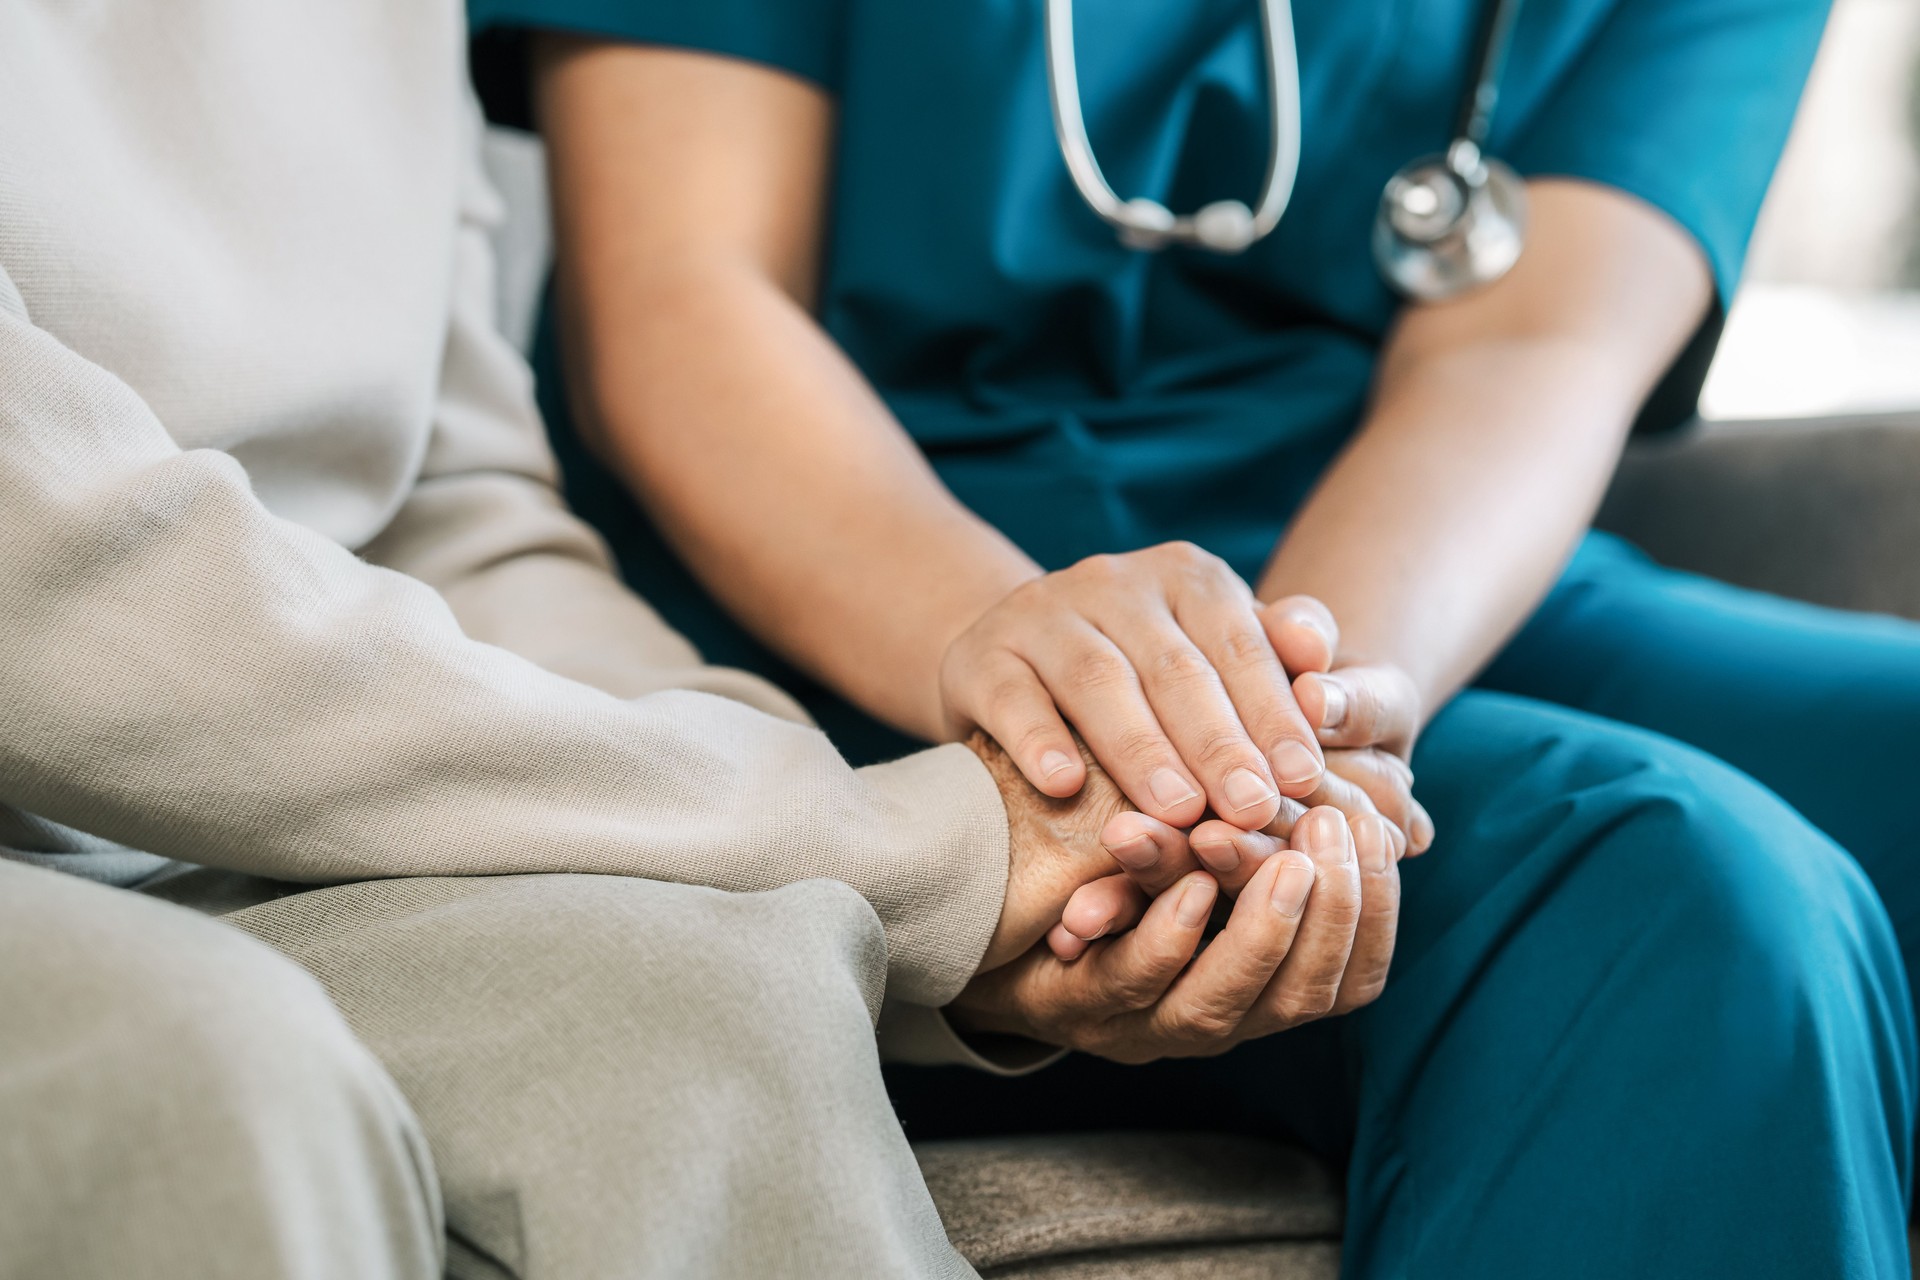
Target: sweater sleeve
[[186, 673], [485, 525]]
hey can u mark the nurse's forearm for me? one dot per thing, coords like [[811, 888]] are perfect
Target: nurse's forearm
[[1497, 422], [789, 489], [689, 196], [1454, 509]]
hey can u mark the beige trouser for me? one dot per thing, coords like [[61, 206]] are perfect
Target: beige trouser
[[546, 1077]]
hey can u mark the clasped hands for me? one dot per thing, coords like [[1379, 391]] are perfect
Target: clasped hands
[[1231, 775]]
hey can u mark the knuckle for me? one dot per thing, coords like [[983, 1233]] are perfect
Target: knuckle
[[1182, 664], [1101, 671], [1311, 1002], [1340, 907], [1184, 554], [1203, 1024], [1191, 561], [1136, 990], [1098, 570], [1220, 747], [1009, 693], [1243, 650], [1033, 595], [1382, 894], [1141, 744]]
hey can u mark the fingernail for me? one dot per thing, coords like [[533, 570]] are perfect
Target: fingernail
[[1137, 854], [1246, 790], [1054, 762], [1196, 904], [1336, 709], [1290, 888], [1312, 621], [1221, 857], [1293, 764], [1321, 829], [1169, 789], [1375, 846]]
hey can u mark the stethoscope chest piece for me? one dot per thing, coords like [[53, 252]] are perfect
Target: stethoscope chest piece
[[1450, 224]]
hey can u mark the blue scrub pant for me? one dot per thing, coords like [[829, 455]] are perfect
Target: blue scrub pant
[[1650, 1013]]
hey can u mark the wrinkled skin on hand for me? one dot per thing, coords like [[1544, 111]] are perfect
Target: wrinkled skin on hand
[[1054, 847]]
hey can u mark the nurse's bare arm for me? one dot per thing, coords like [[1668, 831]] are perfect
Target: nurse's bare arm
[[689, 193], [1497, 421]]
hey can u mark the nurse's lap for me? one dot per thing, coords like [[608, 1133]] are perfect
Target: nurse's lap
[[1822, 706]]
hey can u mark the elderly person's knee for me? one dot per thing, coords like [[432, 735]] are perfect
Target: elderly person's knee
[[245, 1044], [173, 1068], [164, 994]]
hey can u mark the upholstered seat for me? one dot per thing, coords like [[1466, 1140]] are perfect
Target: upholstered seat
[[1136, 1204]]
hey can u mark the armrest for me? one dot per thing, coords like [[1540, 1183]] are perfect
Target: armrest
[[1824, 510]]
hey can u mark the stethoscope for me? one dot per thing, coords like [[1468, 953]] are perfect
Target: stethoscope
[[1447, 223]]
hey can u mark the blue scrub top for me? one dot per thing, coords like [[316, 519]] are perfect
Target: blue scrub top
[[1087, 398]]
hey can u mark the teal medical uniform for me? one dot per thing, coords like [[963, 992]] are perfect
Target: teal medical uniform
[[1650, 1012]]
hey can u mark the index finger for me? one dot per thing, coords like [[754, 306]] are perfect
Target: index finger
[[1228, 632]]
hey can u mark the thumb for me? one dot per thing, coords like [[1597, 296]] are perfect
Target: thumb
[[1368, 706], [1302, 632]]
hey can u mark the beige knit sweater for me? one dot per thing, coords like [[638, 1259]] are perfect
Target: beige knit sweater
[[284, 582]]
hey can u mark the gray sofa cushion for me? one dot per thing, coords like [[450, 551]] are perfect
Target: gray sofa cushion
[[1301, 1260], [1134, 1204], [1827, 511]]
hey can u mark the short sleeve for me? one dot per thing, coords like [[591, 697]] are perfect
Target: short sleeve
[[800, 37], [1685, 104]]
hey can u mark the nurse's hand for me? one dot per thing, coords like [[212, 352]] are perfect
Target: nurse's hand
[[1162, 661], [1296, 947], [1367, 718]]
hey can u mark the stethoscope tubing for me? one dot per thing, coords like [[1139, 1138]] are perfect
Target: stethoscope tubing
[[1070, 122], [1146, 224]]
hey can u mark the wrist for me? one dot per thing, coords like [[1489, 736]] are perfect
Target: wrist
[[964, 607], [986, 1011]]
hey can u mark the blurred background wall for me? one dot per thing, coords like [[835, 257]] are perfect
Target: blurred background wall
[[1829, 319]]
